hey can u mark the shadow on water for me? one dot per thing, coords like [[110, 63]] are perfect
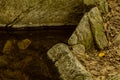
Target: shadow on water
[[43, 38]]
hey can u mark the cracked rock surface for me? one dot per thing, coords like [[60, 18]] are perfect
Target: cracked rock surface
[[40, 12], [71, 68]]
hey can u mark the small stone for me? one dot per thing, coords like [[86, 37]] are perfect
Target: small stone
[[24, 44], [8, 47], [57, 51], [79, 51]]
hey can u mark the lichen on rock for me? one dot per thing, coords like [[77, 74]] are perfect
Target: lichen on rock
[[96, 23], [82, 34], [68, 65]]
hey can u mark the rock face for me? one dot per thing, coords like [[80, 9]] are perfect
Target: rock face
[[82, 34], [90, 28], [8, 47], [78, 50], [68, 65], [45, 12], [40, 12], [96, 23]]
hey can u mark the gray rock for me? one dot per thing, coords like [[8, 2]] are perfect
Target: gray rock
[[40, 12], [57, 51], [82, 34], [90, 26], [79, 51], [115, 77], [101, 4], [68, 65], [97, 28]]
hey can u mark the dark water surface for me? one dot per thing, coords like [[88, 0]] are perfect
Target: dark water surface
[[42, 38]]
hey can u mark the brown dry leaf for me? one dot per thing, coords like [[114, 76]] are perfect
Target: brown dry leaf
[[94, 72], [118, 52], [93, 63], [113, 73], [24, 44]]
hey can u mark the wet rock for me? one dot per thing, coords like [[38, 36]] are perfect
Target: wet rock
[[24, 44], [96, 22], [82, 34], [8, 47], [3, 61], [115, 77], [68, 65], [78, 49]]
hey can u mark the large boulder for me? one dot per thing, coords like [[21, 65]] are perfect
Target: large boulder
[[40, 12], [79, 52], [45, 12], [82, 34], [96, 23], [90, 29], [68, 65]]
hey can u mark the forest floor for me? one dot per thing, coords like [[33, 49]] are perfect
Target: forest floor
[[106, 63]]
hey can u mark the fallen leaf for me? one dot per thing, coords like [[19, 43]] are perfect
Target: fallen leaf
[[101, 54]]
